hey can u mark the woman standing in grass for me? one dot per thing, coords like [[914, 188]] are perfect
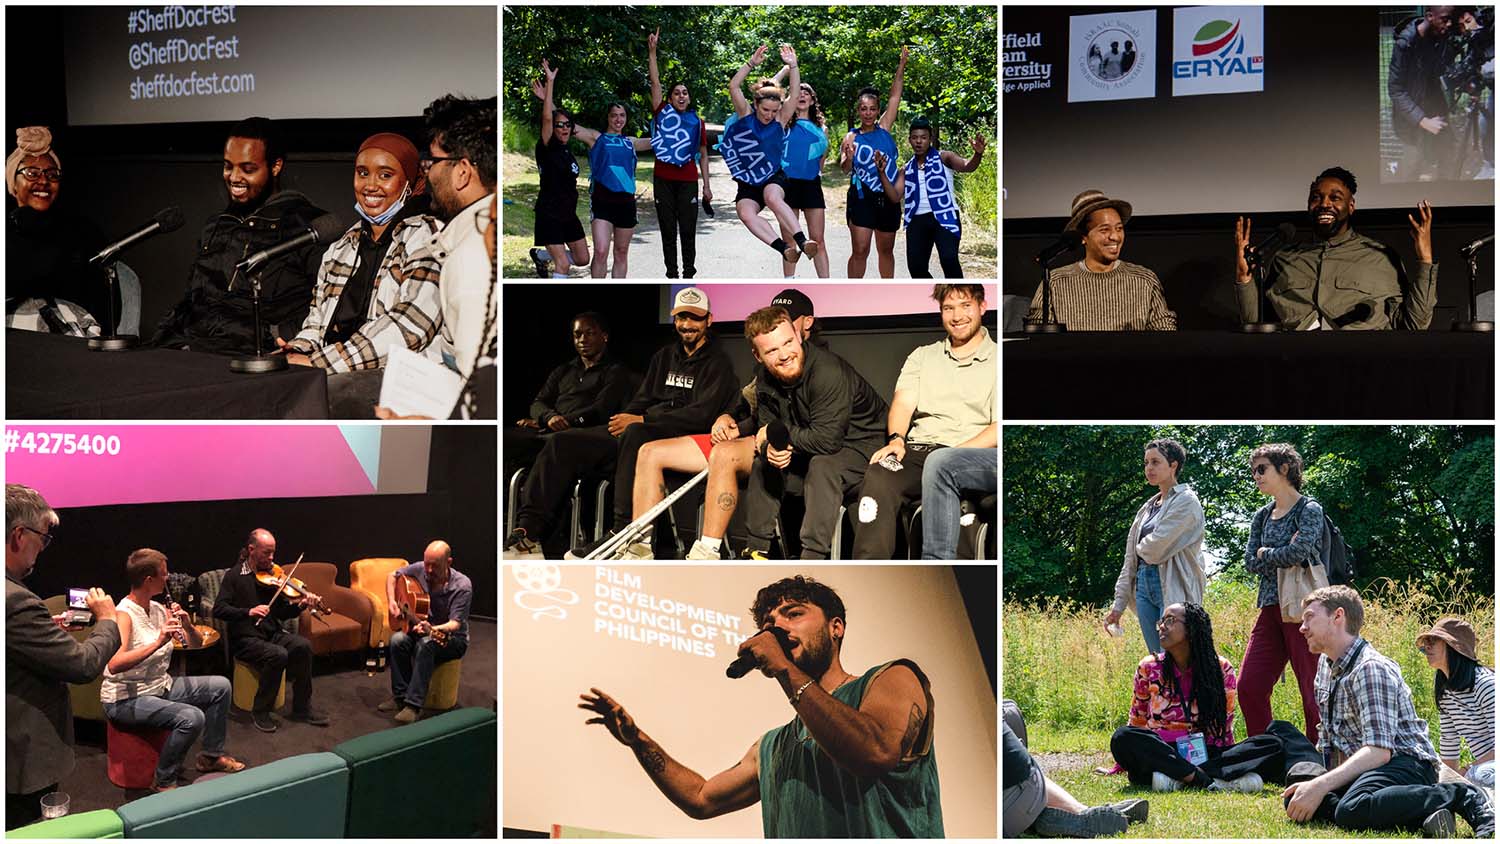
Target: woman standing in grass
[[1465, 694], [1164, 552], [559, 235]]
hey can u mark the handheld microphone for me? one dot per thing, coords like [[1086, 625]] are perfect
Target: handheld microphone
[[1063, 244], [778, 436], [744, 664], [321, 230], [168, 219], [1477, 245], [1285, 233]]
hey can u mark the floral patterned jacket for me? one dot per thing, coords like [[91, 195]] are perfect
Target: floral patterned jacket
[[1152, 709]]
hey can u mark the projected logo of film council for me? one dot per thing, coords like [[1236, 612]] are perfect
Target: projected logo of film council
[[624, 610]]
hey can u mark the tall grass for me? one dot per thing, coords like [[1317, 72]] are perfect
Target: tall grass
[[1073, 681], [977, 196], [518, 136]]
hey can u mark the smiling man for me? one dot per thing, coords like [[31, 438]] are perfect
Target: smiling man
[[259, 215], [688, 383], [1342, 280], [1102, 292], [856, 761]]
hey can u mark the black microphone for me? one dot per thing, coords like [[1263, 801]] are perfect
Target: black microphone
[[1063, 244], [321, 230], [745, 664], [1285, 233], [778, 436], [168, 219], [1477, 245]]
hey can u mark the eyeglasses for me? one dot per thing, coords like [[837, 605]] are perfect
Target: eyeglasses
[[1167, 621], [46, 537], [35, 174], [1261, 469], [427, 163]]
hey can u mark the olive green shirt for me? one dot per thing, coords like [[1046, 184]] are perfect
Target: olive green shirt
[[955, 396], [1348, 282]]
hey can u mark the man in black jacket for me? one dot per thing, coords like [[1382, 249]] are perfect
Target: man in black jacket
[[244, 604], [1419, 108], [688, 384], [834, 420], [212, 318], [585, 391]]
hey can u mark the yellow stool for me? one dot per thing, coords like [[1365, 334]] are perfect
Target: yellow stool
[[247, 683], [442, 689]]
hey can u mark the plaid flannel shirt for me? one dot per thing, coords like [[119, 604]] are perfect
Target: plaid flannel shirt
[[406, 309], [1373, 706]]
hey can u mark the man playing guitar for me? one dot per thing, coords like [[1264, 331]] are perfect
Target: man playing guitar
[[426, 638]]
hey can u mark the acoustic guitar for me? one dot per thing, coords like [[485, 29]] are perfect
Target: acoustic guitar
[[413, 605]]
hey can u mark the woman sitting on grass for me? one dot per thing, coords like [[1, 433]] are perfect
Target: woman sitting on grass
[[1184, 698], [1465, 695]]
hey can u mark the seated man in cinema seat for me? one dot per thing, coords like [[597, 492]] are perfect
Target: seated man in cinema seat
[[833, 420], [945, 405], [856, 760], [210, 317], [1341, 280], [443, 636], [1102, 292], [689, 382]]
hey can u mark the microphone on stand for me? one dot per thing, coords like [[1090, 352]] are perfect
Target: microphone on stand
[[168, 219]]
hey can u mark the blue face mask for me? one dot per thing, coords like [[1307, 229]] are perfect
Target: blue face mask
[[387, 214]]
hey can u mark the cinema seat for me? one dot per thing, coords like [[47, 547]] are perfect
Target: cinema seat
[[304, 796], [367, 577], [459, 744], [100, 823]]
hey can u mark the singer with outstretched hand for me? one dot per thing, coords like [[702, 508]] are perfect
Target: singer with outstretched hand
[[855, 761], [1341, 280], [216, 313]]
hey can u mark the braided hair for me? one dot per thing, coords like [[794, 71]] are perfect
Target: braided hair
[[1208, 677]]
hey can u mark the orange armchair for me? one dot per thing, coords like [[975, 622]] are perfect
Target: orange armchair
[[347, 624], [368, 577]]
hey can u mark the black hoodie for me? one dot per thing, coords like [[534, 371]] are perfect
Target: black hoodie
[[686, 393]]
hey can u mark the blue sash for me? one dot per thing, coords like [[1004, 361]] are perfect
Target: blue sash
[[806, 145], [752, 150], [865, 145], [938, 184], [674, 135], [612, 163]]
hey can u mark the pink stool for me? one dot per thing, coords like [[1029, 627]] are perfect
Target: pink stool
[[133, 753]]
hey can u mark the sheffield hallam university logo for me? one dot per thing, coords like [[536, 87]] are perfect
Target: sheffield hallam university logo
[[541, 592]]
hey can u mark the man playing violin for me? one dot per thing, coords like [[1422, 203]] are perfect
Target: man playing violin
[[255, 614], [441, 636]]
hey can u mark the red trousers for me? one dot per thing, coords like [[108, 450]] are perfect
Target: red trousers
[[1274, 643]]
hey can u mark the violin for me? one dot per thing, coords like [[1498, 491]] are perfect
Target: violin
[[291, 587]]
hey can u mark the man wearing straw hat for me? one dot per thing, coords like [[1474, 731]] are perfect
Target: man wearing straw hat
[[1102, 292]]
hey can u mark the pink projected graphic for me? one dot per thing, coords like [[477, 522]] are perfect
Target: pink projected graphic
[[87, 466], [733, 302]]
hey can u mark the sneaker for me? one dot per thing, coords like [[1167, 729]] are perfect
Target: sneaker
[[1248, 784], [810, 248], [754, 554], [701, 551], [638, 551], [311, 716], [582, 551], [158, 788], [389, 706], [1439, 824], [263, 721], [1135, 810], [1162, 782], [1479, 812], [519, 545], [1100, 820], [542, 260], [407, 715]]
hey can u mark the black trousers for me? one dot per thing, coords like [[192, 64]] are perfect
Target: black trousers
[[922, 233], [821, 480], [283, 652], [520, 447], [880, 500], [1398, 795], [1271, 754], [677, 211], [24, 809]]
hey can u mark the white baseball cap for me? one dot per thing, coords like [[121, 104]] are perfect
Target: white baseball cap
[[692, 300]]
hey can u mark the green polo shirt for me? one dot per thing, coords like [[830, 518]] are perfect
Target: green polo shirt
[[955, 396]]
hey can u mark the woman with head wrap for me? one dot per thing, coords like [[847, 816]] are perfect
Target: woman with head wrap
[[49, 284], [377, 288]]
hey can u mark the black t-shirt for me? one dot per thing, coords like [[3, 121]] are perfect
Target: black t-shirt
[[558, 194], [1015, 761]]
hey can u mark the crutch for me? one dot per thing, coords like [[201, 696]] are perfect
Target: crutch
[[638, 528]]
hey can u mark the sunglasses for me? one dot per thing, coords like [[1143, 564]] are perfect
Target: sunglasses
[[562, 124], [1261, 469]]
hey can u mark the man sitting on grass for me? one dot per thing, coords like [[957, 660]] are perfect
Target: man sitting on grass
[[1033, 802], [1380, 771]]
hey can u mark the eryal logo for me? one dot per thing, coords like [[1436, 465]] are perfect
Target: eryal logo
[[1218, 51]]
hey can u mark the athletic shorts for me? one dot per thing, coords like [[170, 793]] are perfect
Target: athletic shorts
[[758, 192], [804, 193], [557, 229], [613, 207], [875, 211]]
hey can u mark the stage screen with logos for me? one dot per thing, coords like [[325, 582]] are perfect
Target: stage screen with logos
[[658, 640]]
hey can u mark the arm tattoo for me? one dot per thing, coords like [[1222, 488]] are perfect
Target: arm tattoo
[[913, 726], [652, 760], [726, 501]]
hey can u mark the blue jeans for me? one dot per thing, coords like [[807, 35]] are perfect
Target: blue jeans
[[946, 476], [412, 660], [1148, 605], [193, 706]]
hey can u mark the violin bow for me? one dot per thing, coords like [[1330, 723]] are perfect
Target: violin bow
[[284, 581]]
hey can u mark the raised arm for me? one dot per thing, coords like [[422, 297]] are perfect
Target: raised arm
[[542, 88], [698, 798], [737, 83], [965, 165], [651, 68], [585, 134], [789, 102], [893, 105]]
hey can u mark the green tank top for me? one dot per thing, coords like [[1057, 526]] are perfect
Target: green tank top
[[805, 794]]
